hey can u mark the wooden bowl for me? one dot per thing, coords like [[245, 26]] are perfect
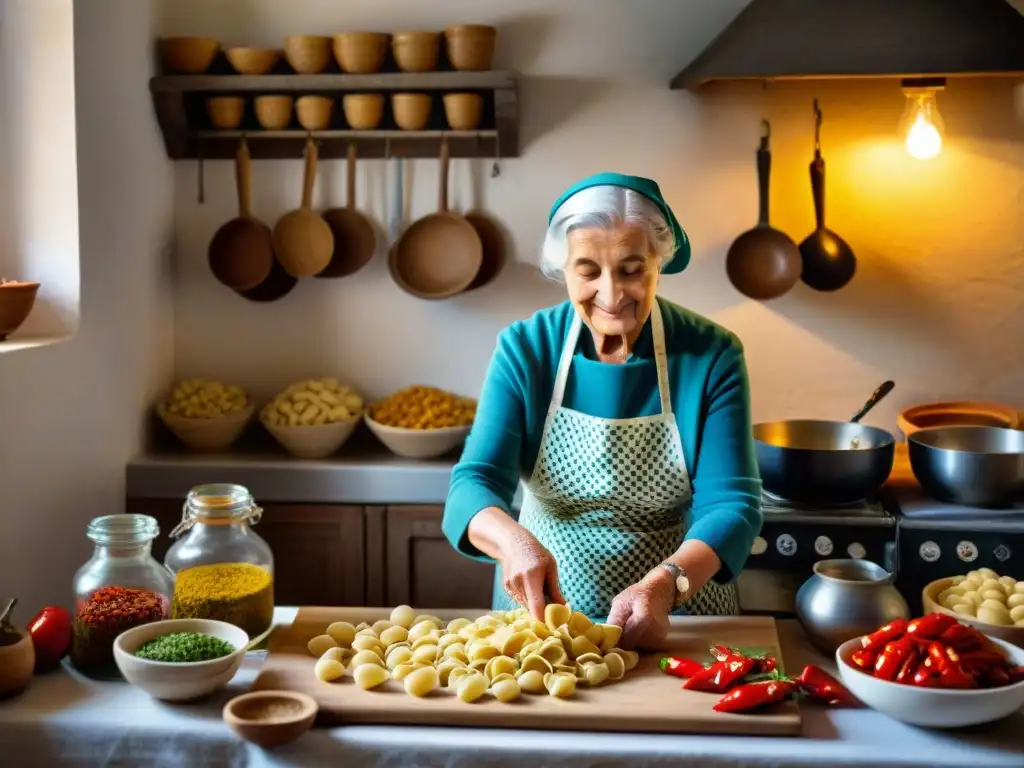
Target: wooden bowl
[[313, 442], [463, 111], [17, 663], [226, 112], [416, 51], [411, 110], [16, 302], [363, 111], [206, 434], [958, 413], [308, 54], [252, 61], [274, 113], [360, 53], [270, 718], [930, 602], [188, 55], [470, 46], [314, 112]]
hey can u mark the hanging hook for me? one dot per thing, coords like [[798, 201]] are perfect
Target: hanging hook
[[387, 149], [817, 126]]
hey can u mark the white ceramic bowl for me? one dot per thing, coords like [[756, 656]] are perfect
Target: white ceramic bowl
[[185, 681], [418, 443], [932, 707], [313, 442]]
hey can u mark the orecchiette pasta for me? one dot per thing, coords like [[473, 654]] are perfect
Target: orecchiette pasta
[[509, 653]]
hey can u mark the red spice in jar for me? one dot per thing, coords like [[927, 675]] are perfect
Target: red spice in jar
[[105, 614]]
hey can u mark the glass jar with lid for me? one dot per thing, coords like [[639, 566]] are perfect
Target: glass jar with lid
[[222, 569], [120, 587]]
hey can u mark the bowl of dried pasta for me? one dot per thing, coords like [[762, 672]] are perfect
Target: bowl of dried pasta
[[313, 418], [990, 603], [421, 422], [206, 415]]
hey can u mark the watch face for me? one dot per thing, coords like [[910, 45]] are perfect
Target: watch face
[[682, 585]]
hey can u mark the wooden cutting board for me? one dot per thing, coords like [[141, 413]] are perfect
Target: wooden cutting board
[[646, 700]]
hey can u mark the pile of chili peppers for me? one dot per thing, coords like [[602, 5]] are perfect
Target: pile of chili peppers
[[750, 682], [934, 651], [108, 612]]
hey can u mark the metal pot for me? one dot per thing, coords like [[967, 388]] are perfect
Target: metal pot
[[825, 462], [974, 466], [845, 599]]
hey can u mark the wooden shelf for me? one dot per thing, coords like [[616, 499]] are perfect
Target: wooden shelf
[[179, 101]]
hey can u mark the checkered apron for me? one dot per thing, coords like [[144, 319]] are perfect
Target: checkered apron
[[608, 498]]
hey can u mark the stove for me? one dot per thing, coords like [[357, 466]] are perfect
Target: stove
[[937, 540], [795, 536]]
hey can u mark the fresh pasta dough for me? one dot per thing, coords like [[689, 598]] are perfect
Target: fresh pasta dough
[[504, 653], [986, 596]]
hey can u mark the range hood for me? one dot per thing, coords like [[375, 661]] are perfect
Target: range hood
[[802, 39]]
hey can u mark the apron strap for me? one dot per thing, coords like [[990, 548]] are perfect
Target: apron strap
[[660, 361]]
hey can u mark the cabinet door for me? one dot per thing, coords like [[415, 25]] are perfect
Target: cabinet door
[[423, 570], [318, 548]]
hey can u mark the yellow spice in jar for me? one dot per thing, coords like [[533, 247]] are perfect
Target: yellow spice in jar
[[238, 593], [422, 407]]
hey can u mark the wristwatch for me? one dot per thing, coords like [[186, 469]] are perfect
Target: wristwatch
[[682, 583]]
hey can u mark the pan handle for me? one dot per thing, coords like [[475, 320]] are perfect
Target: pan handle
[[442, 177], [882, 391]]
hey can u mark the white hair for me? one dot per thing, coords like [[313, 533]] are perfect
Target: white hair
[[603, 206]]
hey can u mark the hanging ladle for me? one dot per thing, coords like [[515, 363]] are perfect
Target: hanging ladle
[[828, 261]]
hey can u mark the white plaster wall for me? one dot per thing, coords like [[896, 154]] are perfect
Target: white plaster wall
[[936, 305], [71, 415]]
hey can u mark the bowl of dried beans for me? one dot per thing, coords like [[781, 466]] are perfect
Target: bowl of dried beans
[[934, 671]]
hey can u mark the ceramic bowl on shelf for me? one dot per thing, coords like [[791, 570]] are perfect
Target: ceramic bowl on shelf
[[270, 718], [179, 681], [252, 61], [418, 443], [188, 55], [316, 441], [930, 602], [216, 434], [308, 54], [16, 302], [932, 707]]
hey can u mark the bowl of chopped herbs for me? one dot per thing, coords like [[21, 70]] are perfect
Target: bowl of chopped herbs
[[180, 659]]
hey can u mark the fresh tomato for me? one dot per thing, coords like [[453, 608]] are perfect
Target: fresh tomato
[[820, 685], [51, 636], [754, 695]]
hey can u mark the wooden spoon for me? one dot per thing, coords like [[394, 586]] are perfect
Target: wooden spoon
[[302, 240], [241, 251]]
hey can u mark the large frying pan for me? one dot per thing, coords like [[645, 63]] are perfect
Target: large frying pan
[[825, 462]]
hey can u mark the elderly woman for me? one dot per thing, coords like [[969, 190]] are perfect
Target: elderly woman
[[628, 418]]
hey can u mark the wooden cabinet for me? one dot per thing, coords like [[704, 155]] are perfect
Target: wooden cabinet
[[328, 554], [318, 548], [420, 568]]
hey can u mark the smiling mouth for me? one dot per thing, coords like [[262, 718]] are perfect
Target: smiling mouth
[[617, 314]]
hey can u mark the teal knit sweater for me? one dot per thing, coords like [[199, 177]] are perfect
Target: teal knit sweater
[[711, 402]]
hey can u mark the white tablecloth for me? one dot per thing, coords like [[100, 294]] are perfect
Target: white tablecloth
[[67, 720]]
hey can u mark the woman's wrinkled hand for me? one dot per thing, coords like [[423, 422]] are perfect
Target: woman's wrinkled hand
[[529, 573], [642, 610]]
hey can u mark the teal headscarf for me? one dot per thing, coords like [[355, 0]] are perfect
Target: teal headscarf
[[649, 189]]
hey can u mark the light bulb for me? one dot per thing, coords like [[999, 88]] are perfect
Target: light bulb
[[921, 124], [923, 139]]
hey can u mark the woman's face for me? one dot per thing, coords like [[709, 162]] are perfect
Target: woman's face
[[612, 277]]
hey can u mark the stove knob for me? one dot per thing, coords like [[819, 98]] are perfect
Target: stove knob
[[760, 546], [967, 551], [823, 546], [856, 550], [929, 551], [786, 545], [1002, 553]]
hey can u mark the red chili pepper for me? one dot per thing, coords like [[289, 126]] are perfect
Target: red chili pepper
[[925, 675], [765, 664], [720, 652], [753, 695], [888, 663], [864, 659], [909, 666], [937, 653], [983, 658], [996, 677], [1015, 674], [962, 638], [931, 626], [820, 685], [954, 676], [877, 640], [678, 666], [721, 675]]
